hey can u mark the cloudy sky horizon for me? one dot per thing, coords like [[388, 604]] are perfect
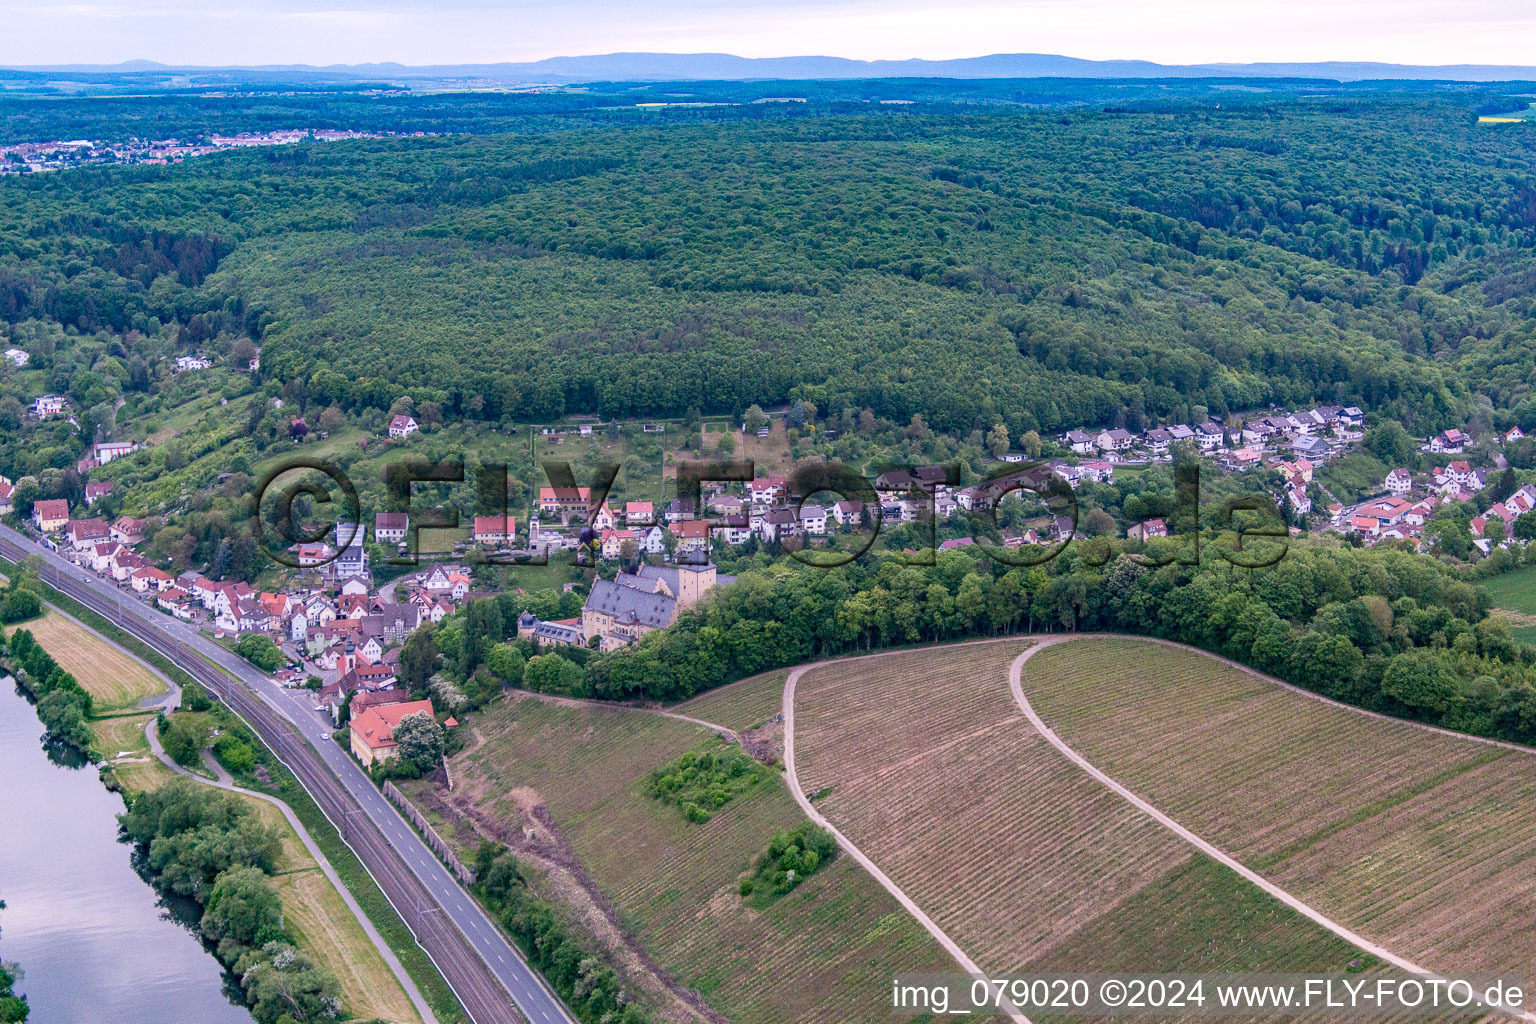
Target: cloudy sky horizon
[[217, 32]]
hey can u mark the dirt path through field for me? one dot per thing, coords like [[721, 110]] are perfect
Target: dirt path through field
[[798, 792], [1015, 683]]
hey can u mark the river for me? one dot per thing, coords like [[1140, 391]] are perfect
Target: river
[[95, 941]]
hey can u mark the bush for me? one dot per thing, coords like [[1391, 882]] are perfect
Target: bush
[[551, 673], [19, 605], [195, 698], [260, 651], [590, 988], [236, 755], [63, 705], [183, 738], [701, 782], [793, 856]]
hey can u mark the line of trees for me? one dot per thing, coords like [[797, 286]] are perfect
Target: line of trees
[[1383, 629], [63, 705], [589, 987], [207, 845]]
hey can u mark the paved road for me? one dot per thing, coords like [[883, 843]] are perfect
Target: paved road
[[476, 959]]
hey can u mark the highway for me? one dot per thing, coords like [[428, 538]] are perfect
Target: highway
[[485, 970]]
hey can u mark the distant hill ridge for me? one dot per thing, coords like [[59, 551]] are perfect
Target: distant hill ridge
[[725, 66]]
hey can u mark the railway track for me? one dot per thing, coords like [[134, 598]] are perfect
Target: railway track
[[473, 980]]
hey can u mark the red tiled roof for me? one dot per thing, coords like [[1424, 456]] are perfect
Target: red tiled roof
[[375, 726]]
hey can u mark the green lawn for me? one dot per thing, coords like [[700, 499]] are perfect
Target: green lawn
[[1514, 590]]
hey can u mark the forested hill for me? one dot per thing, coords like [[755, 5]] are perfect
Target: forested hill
[[1056, 268]]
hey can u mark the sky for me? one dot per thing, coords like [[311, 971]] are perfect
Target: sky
[[218, 32]]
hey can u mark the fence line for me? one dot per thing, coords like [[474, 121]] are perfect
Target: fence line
[[435, 841]]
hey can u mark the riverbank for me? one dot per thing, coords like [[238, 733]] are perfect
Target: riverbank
[[271, 776], [327, 922], [97, 942]]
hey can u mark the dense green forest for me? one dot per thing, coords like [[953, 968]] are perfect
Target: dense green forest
[[1045, 269]]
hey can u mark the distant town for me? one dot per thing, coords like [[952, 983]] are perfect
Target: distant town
[[62, 154]]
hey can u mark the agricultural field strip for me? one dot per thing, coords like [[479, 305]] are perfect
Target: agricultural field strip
[[742, 704], [576, 767], [583, 702], [892, 745], [1015, 677], [791, 778], [118, 682], [1419, 836]]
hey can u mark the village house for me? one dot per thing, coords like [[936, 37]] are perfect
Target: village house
[[611, 542], [185, 363], [679, 509], [85, 533], [1370, 526], [1511, 435], [1297, 472], [390, 527], [691, 535], [6, 490], [1399, 481], [96, 490], [564, 501], [351, 561], [737, 529], [149, 578], [51, 515], [652, 540], [727, 505], [105, 451], [1386, 511], [766, 490], [1450, 442], [1314, 449], [1146, 530], [495, 530], [101, 555], [1079, 442], [1210, 437], [124, 563], [372, 732], [780, 523], [16, 357], [848, 513], [1240, 460], [813, 520], [639, 513], [48, 405], [176, 601], [1116, 440], [310, 555], [402, 426]]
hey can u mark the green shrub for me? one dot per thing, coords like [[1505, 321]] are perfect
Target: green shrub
[[703, 781], [793, 856]]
